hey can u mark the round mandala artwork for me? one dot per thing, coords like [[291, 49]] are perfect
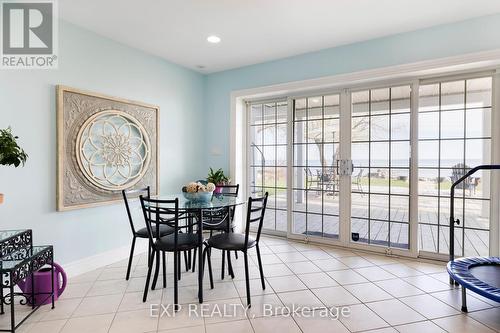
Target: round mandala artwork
[[113, 150]]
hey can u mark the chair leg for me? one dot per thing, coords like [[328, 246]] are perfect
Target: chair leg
[[176, 271], [130, 258], [194, 260], [223, 264], [235, 252], [245, 255], [150, 267], [186, 261], [209, 255], [157, 269], [229, 265], [164, 257], [179, 271], [204, 258], [200, 268], [150, 249], [260, 268], [205, 255]]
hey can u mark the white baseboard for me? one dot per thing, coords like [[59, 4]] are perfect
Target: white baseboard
[[91, 263]]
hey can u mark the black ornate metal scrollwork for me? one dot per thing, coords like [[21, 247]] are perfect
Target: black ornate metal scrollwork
[[36, 262], [23, 298], [18, 240], [18, 255], [5, 279], [19, 259]]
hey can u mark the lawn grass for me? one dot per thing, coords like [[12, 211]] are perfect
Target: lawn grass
[[384, 182]]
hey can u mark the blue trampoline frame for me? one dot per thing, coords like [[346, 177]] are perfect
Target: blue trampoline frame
[[460, 269]]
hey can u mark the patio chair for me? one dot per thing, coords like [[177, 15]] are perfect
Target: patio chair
[[310, 180], [470, 184], [327, 180], [357, 181]]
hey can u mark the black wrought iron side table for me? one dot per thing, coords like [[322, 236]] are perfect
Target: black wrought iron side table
[[20, 259]]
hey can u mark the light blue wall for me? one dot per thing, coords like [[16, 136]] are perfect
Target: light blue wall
[[442, 41], [194, 110], [27, 103]]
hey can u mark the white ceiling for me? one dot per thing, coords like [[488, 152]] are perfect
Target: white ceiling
[[255, 31]]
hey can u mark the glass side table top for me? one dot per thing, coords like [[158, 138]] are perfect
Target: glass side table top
[[12, 260], [5, 234], [218, 201]]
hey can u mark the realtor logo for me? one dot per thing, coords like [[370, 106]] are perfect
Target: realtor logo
[[29, 34]]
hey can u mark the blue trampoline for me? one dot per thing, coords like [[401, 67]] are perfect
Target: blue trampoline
[[478, 274]]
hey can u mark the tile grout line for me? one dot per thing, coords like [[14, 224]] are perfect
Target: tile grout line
[[123, 295], [364, 303], [81, 301], [312, 291], [352, 268]]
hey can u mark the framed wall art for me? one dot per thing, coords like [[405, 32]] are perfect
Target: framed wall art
[[104, 145]]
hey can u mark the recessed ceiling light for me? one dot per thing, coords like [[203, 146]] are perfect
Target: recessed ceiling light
[[213, 39]]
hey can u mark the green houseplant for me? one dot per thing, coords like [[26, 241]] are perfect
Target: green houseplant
[[10, 152], [217, 177]]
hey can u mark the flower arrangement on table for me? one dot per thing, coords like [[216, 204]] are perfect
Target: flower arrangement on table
[[198, 191]]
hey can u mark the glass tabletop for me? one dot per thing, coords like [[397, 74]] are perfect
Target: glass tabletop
[[217, 201], [13, 259], [5, 234]]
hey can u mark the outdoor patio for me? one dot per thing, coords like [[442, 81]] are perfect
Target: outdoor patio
[[433, 233]]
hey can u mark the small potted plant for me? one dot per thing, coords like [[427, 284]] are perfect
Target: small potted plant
[[10, 152], [218, 178]]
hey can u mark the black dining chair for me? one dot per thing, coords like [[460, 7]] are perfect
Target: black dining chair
[[221, 220], [166, 212], [128, 196], [256, 209]]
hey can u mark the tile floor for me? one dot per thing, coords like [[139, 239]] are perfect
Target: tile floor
[[383, 295]]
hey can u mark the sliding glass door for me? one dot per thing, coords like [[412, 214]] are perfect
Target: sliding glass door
[[268, 160], [316, 138], [454, 136], [339, 166], [380, 153]]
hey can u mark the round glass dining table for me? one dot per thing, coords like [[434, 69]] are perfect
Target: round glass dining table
[[217, 201], [196, 208]]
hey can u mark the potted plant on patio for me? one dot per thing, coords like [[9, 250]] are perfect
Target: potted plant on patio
[[218, 178], [10, 152]]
